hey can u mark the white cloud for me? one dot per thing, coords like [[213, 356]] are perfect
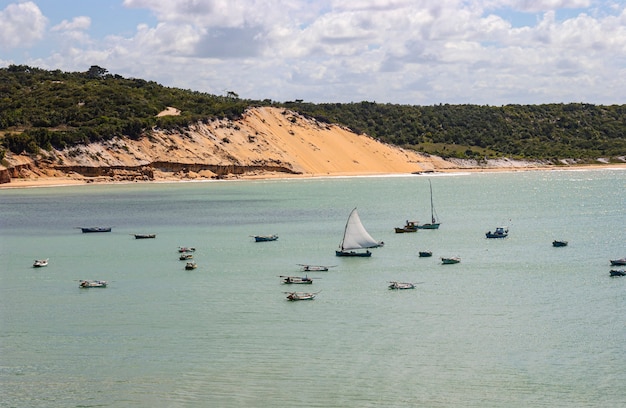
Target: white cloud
[[400, 51], [21, 25], [77, 23]]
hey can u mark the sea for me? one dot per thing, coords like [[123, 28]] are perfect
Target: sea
[[517, 323]]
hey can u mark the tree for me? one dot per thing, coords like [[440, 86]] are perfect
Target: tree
[[96, 72]]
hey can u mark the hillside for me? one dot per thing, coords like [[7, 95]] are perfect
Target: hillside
[[105, 127], [265, 141]]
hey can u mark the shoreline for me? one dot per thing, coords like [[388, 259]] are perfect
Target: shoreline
[[37, 182]]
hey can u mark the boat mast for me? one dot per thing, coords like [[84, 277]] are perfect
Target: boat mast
[[432, 208], [346, 229]]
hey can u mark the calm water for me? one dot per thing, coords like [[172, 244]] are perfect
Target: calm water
[[517, 323]]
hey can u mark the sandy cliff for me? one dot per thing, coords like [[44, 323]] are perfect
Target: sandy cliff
[[266, 142]]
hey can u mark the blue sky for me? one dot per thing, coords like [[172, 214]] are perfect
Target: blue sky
[[416, 52]]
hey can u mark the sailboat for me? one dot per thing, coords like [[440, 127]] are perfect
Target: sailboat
[[433, 224], [355, 237]]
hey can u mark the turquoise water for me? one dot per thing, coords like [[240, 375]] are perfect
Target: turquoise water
[[517, 323]]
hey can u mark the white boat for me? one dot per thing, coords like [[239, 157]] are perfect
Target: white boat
[[401, 285], [186, 249], [191, 265], [356, 237], [293, 296], [315, 268], [39, 263], [297, 280], [434, 224], [450, 261], [92, 284]]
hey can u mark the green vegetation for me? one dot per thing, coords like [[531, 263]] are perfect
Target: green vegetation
[[42, 109], [550, 131]]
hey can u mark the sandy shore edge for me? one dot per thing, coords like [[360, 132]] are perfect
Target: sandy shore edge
[[76, 180]]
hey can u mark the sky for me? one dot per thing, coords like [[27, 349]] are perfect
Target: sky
[[412, 52]]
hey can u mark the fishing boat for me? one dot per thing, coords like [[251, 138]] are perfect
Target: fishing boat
[[401, 285], [556, 243], [265, 238], [425, 254], [409, 226], [315, 268], [618, 262], [185, 256], [95, 229], [39, 263], [434, 224], [297, 280], [186, 249], [617, 272], [355, 237], [190, 265], [92, 284], [293, 296], [144, 236], [450, 261], [500, 232]]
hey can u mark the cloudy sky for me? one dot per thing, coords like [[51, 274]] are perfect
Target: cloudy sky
[[416, 52]]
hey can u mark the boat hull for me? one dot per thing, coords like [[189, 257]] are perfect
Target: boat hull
[[260, 238], [300, 296], [92, 284], [496, 235], [405, 230], [95, 229], [558, 244], [425, 254], [428, 226], [353, 254], [618, 262], [618, 272], [311, 268], [401, 285], [450, 261], [144, 236]]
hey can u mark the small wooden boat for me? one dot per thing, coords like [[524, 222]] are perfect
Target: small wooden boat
[[617, 272], [190, 265], [425, 254], [556, 243], [92, 284], [450, 261], [315, 268], [95, 229], [185, 256], [144, 236], [401, 285], [186, 249], [618, 262], [265, 238], [409, 226], [40, 263], [500, 232], [293, 296], [297, 280]]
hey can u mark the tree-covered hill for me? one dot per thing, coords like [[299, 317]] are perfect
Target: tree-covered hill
[[41, 109], [549, 131]]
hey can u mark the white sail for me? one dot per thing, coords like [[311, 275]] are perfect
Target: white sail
[[355, 236]]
